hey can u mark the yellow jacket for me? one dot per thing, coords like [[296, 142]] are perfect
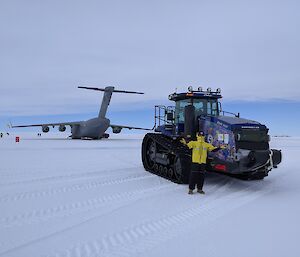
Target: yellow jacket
[[200, 149]]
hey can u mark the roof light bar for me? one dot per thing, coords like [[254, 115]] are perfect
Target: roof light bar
[[208, 90], [190, 89]]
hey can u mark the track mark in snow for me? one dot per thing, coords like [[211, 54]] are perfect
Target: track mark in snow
[[138, 239], [72, 188], [162, 189], [76, 207], [67, 176], [142, 195]]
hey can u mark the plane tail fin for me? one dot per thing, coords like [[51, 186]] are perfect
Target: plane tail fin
[[108, 91], [9, 125]]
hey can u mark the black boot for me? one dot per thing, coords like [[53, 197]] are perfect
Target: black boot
[[190, 192], [200, 191]]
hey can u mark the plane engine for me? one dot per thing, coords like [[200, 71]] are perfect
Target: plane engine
[[45, 129], [116, 130], [62, 128]]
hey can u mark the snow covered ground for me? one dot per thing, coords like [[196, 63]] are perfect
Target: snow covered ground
[[69, 198]]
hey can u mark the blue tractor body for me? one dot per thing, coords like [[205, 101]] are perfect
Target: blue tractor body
[[246, 155]]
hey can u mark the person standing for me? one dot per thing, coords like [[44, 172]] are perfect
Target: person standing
[[199, 158]]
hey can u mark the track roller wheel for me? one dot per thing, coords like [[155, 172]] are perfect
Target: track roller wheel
[[170, 173], [161, 170], [148, 153], [155, 168], [181, 170], [165, 172]]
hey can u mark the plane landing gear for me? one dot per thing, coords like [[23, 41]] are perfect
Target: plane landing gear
[[105, 135]]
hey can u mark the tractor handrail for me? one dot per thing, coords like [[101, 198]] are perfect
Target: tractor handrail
[[160, 118]]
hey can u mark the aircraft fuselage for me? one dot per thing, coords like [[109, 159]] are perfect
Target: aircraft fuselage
[[93, 128]]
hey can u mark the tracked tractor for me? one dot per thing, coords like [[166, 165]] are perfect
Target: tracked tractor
[[246, 153]]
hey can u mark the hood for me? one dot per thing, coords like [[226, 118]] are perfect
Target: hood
[[238, 123]]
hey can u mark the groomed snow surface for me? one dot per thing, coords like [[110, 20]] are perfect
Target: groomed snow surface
[[69, 198]]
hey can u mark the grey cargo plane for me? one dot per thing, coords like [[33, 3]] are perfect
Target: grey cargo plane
[[94, 128]]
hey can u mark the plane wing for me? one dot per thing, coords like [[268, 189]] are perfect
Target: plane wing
[[118, 128], [47, 124]]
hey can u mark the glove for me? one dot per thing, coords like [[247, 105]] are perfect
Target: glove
[[219, 148]]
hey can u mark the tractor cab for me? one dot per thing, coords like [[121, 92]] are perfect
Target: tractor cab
[[170, 120]]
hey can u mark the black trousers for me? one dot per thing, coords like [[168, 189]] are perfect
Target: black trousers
[[197, 176]]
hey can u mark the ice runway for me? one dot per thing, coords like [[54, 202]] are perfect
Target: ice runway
[[93, 198]]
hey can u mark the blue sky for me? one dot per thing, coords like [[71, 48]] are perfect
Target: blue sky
[[250, 49]]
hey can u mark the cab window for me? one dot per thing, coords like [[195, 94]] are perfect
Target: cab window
[[199, 107], [212, 108], [202, 107], [179, 111]]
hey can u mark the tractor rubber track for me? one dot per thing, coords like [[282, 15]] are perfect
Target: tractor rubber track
[[176, 152]]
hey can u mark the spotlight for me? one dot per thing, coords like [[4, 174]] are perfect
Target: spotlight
[[200, 89], [190, 89], [208, 89], [219, 90]]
